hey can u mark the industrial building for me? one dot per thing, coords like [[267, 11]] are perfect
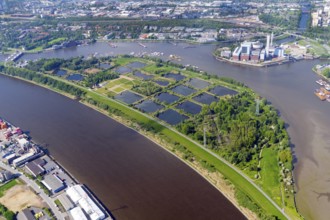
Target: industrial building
[[256, 52], [78, 214], [35, 169], [53, 183], [80, 198], [6, 176], [66, 202]]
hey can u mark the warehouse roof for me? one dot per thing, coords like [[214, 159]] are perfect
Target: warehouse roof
[[52, 182], [78, 214], [34, 168], [65, 201]]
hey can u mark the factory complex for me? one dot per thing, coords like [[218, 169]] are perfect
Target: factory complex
[[18, 151], [255, 53]]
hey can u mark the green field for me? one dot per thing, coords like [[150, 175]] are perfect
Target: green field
[[117, 86], [315, 47], [270, 174], [57, 40], [7, 186], [154, 69]]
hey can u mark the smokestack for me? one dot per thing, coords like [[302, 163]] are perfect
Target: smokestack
[[271, 39], [267, 45]]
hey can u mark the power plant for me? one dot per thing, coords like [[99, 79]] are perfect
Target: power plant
[[255, 51]]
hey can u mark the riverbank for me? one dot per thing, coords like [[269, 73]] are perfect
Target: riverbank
[[51, 177], [263, 64], [133, 114], [215, 179]]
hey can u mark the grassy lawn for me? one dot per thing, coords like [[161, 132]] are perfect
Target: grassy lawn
[[117, 85], [122, 61], [271, 184], [119, 89], [7, 186], [164, 69], [57, 40], [315, 47]]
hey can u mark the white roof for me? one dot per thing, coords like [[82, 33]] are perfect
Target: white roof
[[23, 157], [23, 141], [78, 214], [79, 196], [76, 193]]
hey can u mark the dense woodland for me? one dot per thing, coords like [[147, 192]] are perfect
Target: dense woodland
[[236, 132]]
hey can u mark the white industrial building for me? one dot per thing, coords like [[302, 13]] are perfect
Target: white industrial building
[[23, 143], [78, 214], [80, 198]]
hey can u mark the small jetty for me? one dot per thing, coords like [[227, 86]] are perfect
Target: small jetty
[[14, 57]]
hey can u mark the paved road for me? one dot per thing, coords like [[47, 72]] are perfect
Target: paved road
[[40, 192]]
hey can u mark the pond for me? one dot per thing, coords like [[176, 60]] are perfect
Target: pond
[[149, 106], [166, 97], [162, 82], [136, 65], [123, 70], [189, 107], [183, 90], [176, 77], [60, 72], [221, 91], [205, 98], [75, 77], [198, 83], [171, 117], [142, 75], [128, 97], [105, 66]]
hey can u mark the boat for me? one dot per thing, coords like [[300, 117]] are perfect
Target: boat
[[142, 45], [328, 98], [320, 94], [327, 87], [319, 82], [113, 45]]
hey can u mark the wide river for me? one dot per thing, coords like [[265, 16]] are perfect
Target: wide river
[[95, 149]]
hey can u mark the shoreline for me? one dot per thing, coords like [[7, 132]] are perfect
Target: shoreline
[[198, 169], [242, 63], [69, 174], [249, 185]]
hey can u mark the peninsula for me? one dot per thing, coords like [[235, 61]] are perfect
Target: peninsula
[[215, 125]]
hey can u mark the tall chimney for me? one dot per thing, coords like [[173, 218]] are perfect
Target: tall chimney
[[267, 45], [271, 39]]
